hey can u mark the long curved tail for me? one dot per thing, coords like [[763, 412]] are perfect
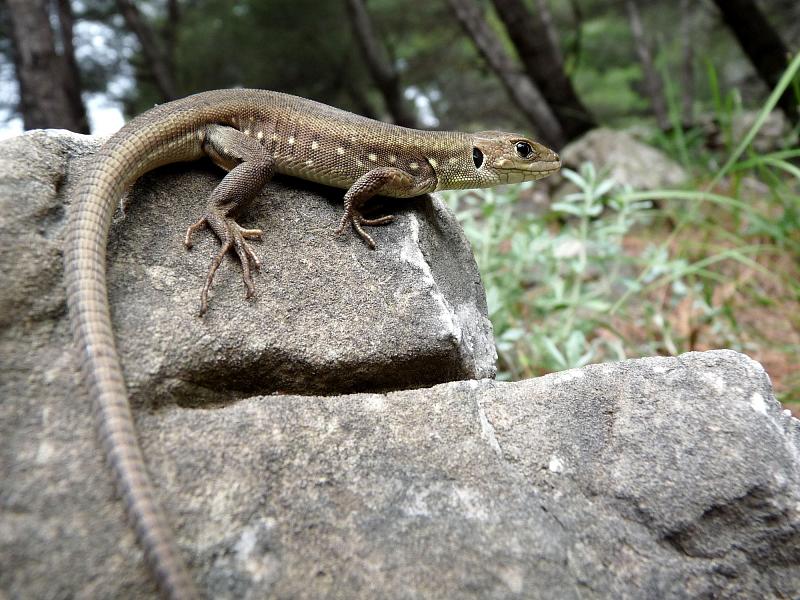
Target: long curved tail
[[139, 147]]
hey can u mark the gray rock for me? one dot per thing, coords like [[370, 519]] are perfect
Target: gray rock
[[775, 133], [622, 157], [655, 478], [330, 315]]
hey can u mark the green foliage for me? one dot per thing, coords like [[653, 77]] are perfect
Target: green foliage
[[307, 47], [544, 288], [612, 92], [301, 46], [610, 272], [601, 277], [564, 294]]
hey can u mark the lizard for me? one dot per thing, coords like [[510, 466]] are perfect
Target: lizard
[[252, 135]]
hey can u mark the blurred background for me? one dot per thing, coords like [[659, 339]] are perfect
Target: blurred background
[[675, 224]]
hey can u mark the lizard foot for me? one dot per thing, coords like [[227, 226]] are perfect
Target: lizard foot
[[232, 236], [356, 219]]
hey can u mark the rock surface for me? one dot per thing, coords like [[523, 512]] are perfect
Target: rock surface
[[654, 478], [622, 157], [329, 316], [774, 134]]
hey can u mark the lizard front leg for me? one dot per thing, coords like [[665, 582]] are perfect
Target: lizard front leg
[[386, 180], [249, 167]]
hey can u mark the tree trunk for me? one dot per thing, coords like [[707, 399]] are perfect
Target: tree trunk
[[170, 35], [380, 67], [360, 101], [543, 12], [73, 76], [687, 63], [543, 63], [520, 88], [652, 80], [576, 49], [48, 82], [762, 45], [157, 58]]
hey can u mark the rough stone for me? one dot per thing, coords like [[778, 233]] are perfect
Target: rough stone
[[622, 157], [775, 133], [654, 478], [329, 316]]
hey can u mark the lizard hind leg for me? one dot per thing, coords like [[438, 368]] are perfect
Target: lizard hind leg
[[249, 167]]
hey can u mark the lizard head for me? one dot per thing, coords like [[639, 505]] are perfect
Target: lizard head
[[501, 157]]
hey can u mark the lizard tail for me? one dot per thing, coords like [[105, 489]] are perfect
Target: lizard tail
[[85, 276]]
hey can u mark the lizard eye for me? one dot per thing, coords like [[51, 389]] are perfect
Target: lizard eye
[[523, 149], [477, 158]]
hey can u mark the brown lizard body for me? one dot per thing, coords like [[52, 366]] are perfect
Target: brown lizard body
[[252, 134]]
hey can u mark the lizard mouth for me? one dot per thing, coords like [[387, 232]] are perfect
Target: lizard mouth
[[514, 172]]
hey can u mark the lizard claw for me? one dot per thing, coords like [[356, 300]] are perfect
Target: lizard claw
[[198, 225], [232, 237], [356, 219]]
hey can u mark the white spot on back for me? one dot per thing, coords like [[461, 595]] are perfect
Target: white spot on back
[[340, 151], [359, 163], [392, 158], [309, 162], [452, 160], [412, 165], [290, 141], [372, 157], [260, 135], [275, 137], [433, 162], [314, 145]]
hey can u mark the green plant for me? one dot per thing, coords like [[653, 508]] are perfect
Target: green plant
[[548, 290], [610, 274]]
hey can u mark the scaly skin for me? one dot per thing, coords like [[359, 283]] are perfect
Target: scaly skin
[[252, 134]]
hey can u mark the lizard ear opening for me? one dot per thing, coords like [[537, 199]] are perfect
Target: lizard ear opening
[[477, 157]]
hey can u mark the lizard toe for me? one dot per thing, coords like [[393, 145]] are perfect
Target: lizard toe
[[233, 237], [379, 221], [357, 220], [198, 225]]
